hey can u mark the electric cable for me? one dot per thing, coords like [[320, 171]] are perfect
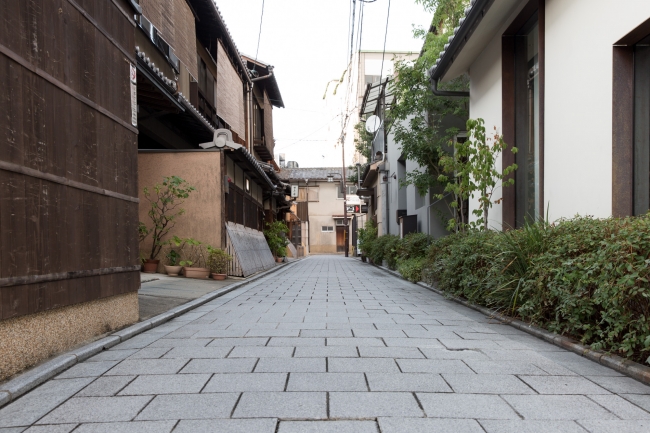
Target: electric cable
[[385, 37], [259, 36]]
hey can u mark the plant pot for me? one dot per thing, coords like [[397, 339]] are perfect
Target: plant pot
[[363, 259], [150, 266], [173, 271], [279, 259], [200, 273], [219, 276]]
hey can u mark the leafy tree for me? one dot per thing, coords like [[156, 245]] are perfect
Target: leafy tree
[[363, 145], [417, 115], [165, 200], [471, 170]]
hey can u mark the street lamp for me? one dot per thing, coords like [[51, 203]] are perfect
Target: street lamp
[[330, 178]]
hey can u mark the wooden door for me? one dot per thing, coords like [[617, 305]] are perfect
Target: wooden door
[[340, 239]]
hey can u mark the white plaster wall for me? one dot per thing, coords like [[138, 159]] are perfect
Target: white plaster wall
[[485, 102], [578, 101], [578, 112]]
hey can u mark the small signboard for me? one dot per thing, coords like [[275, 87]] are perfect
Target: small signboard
[[294, 191], [134, 94]]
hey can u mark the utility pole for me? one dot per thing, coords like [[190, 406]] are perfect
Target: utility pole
[[346, 230]]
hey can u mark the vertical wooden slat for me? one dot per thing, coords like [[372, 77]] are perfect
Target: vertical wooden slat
[[623, 131]]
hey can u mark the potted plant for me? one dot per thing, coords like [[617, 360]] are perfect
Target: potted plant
[[276, 238], [194, 263], [165, 200], [173, 254], [218, 261]]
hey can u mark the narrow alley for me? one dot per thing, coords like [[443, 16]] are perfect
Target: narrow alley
[[330, 344]]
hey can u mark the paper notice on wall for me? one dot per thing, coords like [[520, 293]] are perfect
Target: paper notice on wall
[[134, 95]]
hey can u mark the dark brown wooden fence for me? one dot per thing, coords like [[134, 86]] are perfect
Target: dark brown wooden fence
[[68, 154]]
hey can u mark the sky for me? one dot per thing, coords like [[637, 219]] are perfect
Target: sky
[[308, 43]]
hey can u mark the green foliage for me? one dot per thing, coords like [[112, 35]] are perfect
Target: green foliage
[[584, 277], [471, 170], [417, 115], [363, 145], [165, 200], [411, 269], [367, 235], [218, 260], [275, 235], [193, 253]]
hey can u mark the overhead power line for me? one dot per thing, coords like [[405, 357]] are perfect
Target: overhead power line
[[381, 75]]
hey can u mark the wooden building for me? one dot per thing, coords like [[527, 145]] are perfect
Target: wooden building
[[192, 82], [69, 266]]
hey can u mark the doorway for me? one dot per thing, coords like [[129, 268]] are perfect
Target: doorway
[[340, 239]]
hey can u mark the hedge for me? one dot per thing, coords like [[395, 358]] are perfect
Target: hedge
[[584, 277]]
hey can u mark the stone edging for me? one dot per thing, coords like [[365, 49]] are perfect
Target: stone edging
[[630, 368], [25, 382]]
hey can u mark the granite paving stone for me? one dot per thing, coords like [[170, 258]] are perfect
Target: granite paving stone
[[244, 382], [291, 365], [147, 366], [105, 386], [261, 352], [408, 382], [603, 426], [527, 426], [329, 344], [373, 404], [31, 407], [52, 428], [245, 365], [87, 369], [557, 407], [328, 427], [128, 427], [428, 425], [326, 351], [474, 406], [96, 409], [327, 382], [227, 426], [189, 406], [563, 385], [285, 405], [487, 384], [166, 384]]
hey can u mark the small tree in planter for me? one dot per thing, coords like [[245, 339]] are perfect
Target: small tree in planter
[[194, 259], [275, 236], [165, 199], [218, 261], [173, 252]]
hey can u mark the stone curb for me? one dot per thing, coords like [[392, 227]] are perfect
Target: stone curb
[[29, 380], [630, 368]]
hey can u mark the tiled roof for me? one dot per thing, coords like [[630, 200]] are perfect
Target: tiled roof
[[317, 173], [446, 54]]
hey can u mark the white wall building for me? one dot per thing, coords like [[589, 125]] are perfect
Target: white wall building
[[557, 79]]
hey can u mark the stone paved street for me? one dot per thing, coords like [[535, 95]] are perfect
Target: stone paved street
[[333, 345]]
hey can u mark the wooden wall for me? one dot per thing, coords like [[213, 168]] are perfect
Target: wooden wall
[[68, 154]]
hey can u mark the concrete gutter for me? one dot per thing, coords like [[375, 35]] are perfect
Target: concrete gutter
[[25, 382], [630, 368]]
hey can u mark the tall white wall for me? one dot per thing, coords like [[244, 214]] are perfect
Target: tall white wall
[[578, 101], [578, 114]]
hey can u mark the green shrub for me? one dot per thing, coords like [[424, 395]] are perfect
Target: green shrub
[[391, 247], [411, 269], [586, 278]]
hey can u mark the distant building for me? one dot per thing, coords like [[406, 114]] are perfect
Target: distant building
[[319, 210]]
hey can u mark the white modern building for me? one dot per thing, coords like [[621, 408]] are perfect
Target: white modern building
[[568, 83]]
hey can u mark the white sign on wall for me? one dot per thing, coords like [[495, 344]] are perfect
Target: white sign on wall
[[294, 191], [134, 95]]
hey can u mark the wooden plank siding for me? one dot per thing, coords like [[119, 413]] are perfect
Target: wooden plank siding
[[68, 154]]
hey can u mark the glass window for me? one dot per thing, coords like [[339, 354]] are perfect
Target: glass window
[[642, 127], [351, 190], [527, 127], [327, 229]]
